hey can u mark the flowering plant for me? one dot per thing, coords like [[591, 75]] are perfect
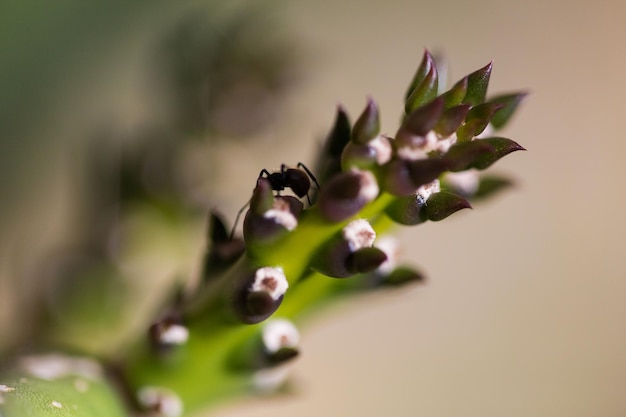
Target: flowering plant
[[310, 236]]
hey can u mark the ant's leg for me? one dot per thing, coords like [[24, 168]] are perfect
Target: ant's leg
[[232, 232], [309, 173]]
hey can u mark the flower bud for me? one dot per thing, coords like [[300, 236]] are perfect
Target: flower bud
[[346, 194], [350, 253], [259, 294], [275, 344], [280, 341], [261, 228], [168, 333]]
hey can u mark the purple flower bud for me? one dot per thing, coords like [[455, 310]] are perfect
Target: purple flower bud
[[280, 218], [259, 294], [346, 194], [350, 253]]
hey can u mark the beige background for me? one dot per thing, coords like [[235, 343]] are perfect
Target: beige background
[[524, 312]]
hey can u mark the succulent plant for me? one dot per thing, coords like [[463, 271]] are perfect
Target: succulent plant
[[310, 236]]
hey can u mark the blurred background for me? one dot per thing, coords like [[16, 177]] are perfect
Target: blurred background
[[524, 311]]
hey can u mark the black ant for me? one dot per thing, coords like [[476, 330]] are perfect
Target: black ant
[[295, 178]]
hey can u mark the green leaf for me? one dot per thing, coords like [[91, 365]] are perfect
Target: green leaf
[[70, 395], [367, 125], [490, 186], [451, 119], [477, 120], [509, 103], [442, 204], [403, 275], [456, 94], [426, 65], [477, 83], [463, 155], [425, 92], [500, 148]]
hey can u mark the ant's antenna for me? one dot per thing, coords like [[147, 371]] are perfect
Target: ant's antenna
[[232, 232]]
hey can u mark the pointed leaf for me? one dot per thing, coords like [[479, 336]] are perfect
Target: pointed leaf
[[367, 125], [403, 275], [425, 92], [509, 103], [491, 185], [451, 120], [329, 159], [477, 83], [339, 135], [422, 120], [500, 148], [424, 171], [217, 228], [463, 155], [456, 94], [425, 66], [442, 204], [477, 120], [365, 260], [406, 210]]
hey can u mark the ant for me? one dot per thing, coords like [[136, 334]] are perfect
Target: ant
[[295, 178]]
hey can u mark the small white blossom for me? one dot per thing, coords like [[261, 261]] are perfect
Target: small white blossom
[[278, 334], [271, 280], [359, 234]]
